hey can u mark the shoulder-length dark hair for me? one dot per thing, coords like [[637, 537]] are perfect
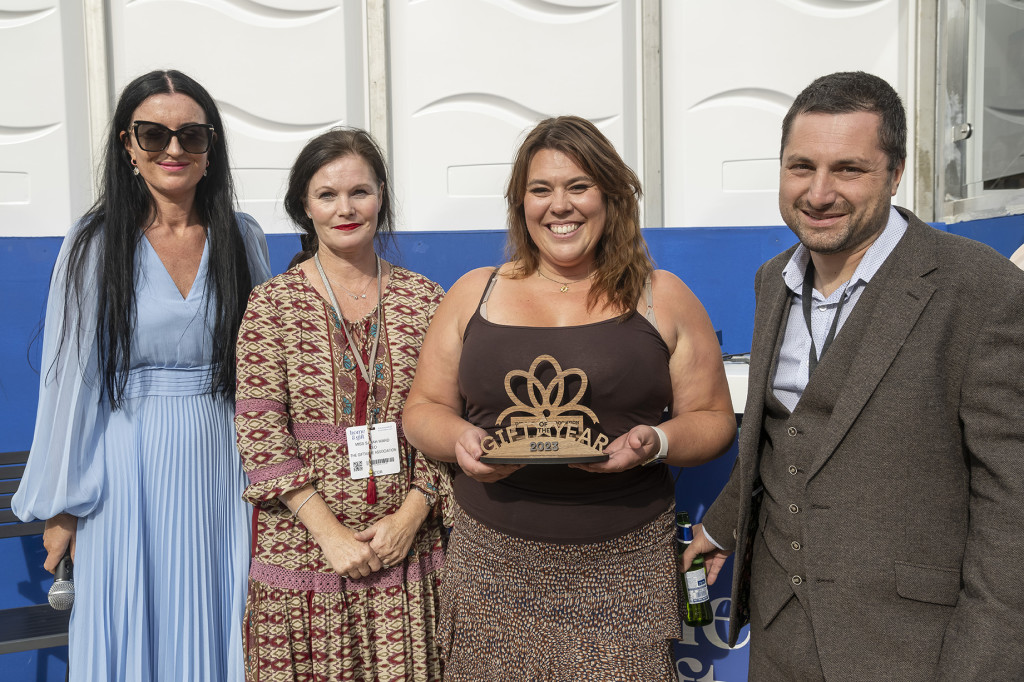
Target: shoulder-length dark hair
[[622, 258], [116, 223], [330, 146]]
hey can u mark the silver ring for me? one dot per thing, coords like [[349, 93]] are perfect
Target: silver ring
[[385, 566]]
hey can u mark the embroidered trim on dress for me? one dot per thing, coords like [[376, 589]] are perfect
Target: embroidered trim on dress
[[323, 433], [328, 433], [258, 405], [312, 581], [267, 473]]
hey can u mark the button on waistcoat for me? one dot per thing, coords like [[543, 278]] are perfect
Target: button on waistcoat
[[787, 456], [784, 464]]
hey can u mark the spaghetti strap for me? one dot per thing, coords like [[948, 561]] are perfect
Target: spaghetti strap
[[649, 295], [487, 293]]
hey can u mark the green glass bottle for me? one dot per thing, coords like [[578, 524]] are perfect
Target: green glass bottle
[[697, 609]]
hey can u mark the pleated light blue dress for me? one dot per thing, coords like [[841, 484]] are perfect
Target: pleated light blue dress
[[163, 534]]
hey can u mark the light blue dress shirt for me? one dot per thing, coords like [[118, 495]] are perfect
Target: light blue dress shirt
[[791, 372]]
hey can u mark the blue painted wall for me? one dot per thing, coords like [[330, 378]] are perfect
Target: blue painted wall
[[717, 263]]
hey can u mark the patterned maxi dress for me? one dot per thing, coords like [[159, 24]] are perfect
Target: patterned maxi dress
[[298, 391]]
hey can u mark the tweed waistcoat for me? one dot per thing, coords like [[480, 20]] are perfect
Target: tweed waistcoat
[[787, 451]]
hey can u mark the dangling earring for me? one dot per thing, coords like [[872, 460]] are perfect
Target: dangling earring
[[205, 170], [135, 167]]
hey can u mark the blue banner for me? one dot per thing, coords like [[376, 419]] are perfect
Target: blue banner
[[703, 654]]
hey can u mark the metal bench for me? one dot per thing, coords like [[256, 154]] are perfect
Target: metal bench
[[27, 627]]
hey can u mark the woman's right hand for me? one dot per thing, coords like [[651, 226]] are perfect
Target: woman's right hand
[[469, 449], [59, 534], [349, 557]]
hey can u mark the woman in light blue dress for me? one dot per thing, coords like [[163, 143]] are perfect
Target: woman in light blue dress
[[133, 463]]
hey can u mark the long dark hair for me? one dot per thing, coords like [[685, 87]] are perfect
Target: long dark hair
[[330, 146], [622, 258], [115, 224]]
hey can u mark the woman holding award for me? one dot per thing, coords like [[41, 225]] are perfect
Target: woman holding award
[[566, 570], [346, 534]]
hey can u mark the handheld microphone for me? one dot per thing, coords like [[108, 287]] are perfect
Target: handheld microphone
[[62, 593]]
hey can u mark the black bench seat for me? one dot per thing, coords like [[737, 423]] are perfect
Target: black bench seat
[[25, 628]]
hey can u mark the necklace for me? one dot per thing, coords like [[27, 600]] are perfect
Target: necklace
[[564, 285], [354, 296], [367, 370], [340, 322]]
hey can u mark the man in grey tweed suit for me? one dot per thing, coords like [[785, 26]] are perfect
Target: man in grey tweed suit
[[877, 503]]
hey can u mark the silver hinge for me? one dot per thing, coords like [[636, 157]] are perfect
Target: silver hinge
[[962, 132]]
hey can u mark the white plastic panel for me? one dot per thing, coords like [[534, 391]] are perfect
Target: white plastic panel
[[281, 72], [730, 71], [1001, 134], [44, 168], [470, 77]]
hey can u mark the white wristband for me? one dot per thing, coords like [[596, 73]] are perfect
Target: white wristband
[[662, 453]]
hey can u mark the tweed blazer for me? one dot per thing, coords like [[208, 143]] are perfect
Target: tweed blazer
[[913, 535]]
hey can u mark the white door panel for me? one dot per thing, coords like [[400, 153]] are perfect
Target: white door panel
[[44, 143], [469, 78], [281, 72], [730, 71]]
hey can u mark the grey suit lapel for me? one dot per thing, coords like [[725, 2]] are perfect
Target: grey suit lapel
[[773, 299], [900, 294]]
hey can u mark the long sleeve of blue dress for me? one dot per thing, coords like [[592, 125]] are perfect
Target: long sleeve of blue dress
[[162, 544], [64, 471]]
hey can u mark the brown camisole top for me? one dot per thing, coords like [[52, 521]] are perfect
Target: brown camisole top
[[626, 364]]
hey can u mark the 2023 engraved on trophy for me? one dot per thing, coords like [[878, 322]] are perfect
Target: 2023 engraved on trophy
[[552, 428]]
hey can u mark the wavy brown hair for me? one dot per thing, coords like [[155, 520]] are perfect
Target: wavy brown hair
[[622, 258]]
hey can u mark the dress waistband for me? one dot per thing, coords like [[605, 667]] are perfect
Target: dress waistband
[[169, 381], [410, 570]]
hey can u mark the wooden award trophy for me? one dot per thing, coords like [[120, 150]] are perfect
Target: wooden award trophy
[[550, 430]]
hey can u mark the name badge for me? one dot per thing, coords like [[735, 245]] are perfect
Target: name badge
[[386, 456]]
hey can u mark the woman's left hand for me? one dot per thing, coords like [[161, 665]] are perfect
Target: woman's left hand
[[629, 450], [392, 536]]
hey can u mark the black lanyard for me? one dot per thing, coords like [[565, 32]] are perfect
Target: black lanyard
[[808, 293]]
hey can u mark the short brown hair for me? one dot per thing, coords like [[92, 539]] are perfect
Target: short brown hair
[[846, 92]]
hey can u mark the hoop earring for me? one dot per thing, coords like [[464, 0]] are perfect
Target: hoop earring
[[135, 167]]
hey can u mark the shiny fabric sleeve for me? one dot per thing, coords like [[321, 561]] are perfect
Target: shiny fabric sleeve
[[269, 451], [255, 248], [65, 465]]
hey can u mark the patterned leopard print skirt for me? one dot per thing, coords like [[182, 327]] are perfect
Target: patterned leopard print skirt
[[514, 609]]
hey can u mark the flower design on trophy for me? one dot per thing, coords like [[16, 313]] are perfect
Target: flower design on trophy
[[548, 427]]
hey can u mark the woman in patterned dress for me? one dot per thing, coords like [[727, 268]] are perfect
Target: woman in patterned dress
[[347, 535], [566, 571]]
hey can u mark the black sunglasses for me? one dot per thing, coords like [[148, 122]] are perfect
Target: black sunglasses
[[194, 138]]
